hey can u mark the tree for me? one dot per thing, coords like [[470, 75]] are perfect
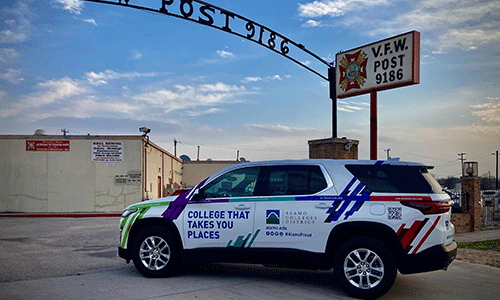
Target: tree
[[449, 182]]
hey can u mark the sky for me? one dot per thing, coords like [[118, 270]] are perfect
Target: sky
[[106, 69]]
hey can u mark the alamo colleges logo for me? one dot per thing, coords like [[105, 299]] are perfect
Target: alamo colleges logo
[[353, 71], [272, 216]]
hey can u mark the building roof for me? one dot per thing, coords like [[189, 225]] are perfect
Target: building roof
[[86, 137], [69, 137]]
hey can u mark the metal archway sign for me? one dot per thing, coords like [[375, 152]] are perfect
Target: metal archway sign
[[216, 17], [213, 16]]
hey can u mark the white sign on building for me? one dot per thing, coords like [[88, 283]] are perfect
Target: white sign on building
[[386, 64], [107, 151]]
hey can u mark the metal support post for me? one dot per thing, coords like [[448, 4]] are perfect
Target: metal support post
[[373, 126], [333, 96]]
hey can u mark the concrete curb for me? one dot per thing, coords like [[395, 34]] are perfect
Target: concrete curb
[[478, 236]]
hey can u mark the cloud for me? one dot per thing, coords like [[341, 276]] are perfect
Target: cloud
[[350, 106], [103, 77], [16, 35], [18, 26], [488, 112], [224, 54], [7, 54], [254, 141], [446, 24], [73, 6], [192, 99], [91, 21], [69, 98], [12, 76], [275, 130], [90, 107], [136, 55], [252, 79], [468, 39], [267, 78], [335, 8], [311, 23], [52, 91], [48, 92], [196, 113], [453, 23], [220, 87]]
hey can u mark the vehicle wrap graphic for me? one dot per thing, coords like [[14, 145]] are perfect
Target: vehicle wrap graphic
[[241, 241], [177, 206], [127, 224], [346, 204], [426, 235], [341, 206], [353, 200], [408, 235]]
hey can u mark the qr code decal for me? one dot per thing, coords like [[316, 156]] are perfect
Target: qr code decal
[[394, 213]]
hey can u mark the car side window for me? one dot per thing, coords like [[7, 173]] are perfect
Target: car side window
[[293, 180], [236, 183]]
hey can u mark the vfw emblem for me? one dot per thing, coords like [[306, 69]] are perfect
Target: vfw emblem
[[353, 70]]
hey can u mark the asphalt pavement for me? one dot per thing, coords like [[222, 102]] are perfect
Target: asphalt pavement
[[62, 257]]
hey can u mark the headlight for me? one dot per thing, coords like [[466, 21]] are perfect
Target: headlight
[[128, 212]]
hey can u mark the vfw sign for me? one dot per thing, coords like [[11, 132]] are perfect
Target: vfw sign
[[382, 65]]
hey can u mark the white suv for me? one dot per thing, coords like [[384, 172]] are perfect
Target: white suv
[[364, 219]]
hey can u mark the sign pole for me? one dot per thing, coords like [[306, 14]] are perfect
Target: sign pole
[[333, 96], [373, 125]]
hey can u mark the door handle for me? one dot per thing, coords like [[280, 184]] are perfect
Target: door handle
[[322, 206], [242, 207]]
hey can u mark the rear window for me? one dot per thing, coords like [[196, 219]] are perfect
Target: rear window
[[396, 179]]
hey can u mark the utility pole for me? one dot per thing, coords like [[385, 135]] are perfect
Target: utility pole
[[496, 177], [388, 153], [461, 159], [175, 146]]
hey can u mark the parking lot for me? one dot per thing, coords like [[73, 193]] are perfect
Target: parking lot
[[75, 258]]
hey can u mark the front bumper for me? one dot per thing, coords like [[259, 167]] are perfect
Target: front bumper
[[432, 259], [123, 253]]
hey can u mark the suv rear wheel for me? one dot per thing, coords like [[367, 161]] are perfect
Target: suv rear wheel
[[365, 267], [155, 252]]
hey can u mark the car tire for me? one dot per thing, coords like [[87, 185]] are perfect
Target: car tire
[[365, 268], [156, 252]]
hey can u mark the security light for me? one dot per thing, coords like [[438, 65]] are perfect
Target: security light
[[144, 130]]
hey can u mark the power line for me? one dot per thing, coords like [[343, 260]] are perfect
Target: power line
[[274, 149], [417, 155]]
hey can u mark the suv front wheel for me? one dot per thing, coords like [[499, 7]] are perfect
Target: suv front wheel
[[365, 267], [155, 252]]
